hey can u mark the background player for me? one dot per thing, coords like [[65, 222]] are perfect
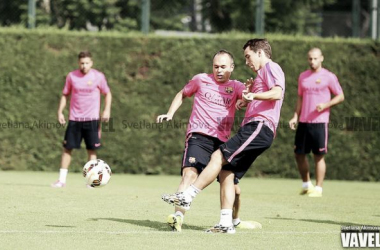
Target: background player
[[313, 110], [85, 86]]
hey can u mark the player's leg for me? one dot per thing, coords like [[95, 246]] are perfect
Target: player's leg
[[91, 135], [319, 134], [302, 147], [175, 221], [236, 207], [91, 154], [320, 169], [242, 150], [227, 198], [73, 138], [197, 153]]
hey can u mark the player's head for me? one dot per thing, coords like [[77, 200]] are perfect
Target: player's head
[[257, 53], [85, 61], [315, 59], [222, 66]]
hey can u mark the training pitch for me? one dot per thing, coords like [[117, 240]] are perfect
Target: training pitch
[[129, 214]]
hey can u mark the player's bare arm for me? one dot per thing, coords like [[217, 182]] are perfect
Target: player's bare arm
[[273, 94], [176, 103], [334, 101], [293, 122], [107, 107], [61, 107], [248, 86]]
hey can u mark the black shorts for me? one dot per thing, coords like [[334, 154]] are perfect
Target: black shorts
[[198, 151], [311, 137], [242, 150], [76, 131]]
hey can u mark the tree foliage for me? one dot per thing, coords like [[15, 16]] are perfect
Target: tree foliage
[[281, 16]]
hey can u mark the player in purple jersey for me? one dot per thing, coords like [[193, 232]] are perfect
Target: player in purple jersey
[[315, 87], [234, 157], [85, 86], [210, 125]]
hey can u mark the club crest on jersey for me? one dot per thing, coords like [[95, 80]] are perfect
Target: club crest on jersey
[[318, 81], [89, 83], [229, 90], [192, 159]]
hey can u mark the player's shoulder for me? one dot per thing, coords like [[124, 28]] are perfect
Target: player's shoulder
[[97, 72], [328, 73], [305, 73], [200, 76], [236, 83]]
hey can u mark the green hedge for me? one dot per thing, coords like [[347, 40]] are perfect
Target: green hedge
[[145, 73]]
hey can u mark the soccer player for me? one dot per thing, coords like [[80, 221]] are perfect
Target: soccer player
[[85, 85], [234, 157], [315, 87], [210, 125]]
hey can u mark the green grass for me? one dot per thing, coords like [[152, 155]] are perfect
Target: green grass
[[128, 214]]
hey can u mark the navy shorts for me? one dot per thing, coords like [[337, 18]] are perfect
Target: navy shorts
[[242, 150], [311, 137], [87, 130], [198, 151]]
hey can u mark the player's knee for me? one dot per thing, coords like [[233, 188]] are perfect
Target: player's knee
[[237, 191], [189, 175], [217, 157]]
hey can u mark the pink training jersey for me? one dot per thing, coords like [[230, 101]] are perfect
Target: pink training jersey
[[316, 88], [214, 105], [85, 93], [269, 76]]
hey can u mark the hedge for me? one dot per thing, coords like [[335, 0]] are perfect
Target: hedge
[[145, 73]]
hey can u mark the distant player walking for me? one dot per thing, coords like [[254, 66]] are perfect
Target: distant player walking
[[312, 111], [85, 85]]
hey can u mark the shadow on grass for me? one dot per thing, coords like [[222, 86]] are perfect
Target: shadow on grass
[[340, 223], [25, 185], [148, 223], [57, 226]]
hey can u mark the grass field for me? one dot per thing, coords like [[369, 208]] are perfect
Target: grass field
[[128, 214]]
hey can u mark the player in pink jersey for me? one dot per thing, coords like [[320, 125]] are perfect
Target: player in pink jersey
[[315, 87], [234, 157], [210, 125], [85, 86]]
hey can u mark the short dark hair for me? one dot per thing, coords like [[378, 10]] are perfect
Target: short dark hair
[[223, 51], [84, 54], [257, 44]]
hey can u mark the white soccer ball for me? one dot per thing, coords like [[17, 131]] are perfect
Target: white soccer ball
[[97, 173]]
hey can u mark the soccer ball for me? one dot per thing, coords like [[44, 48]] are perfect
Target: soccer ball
[[97, 173]]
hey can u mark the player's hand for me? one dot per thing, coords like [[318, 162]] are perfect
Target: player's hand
[[321, 107], [240, 104], [165, 117], [248, 84], [293, 123], [247, 96], [106, 116], [61, 119]]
